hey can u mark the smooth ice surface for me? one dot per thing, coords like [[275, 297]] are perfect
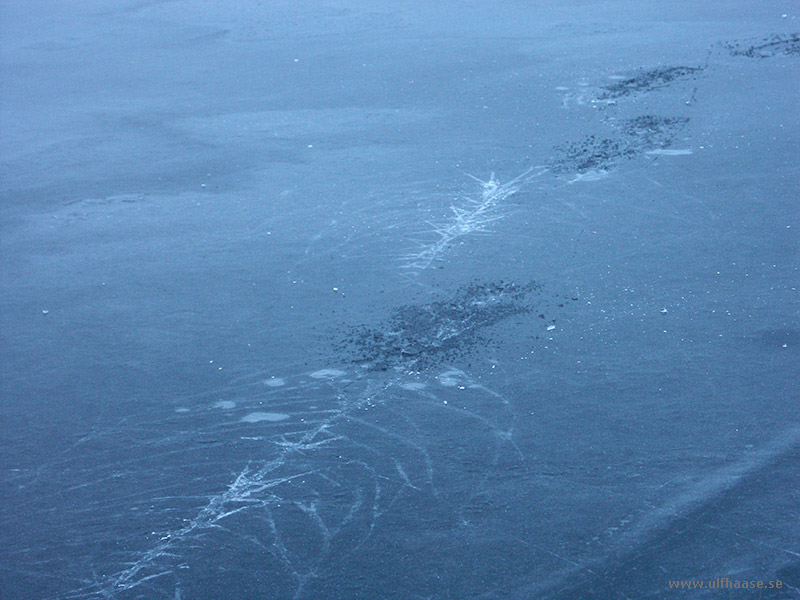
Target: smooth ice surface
[[400, 300]]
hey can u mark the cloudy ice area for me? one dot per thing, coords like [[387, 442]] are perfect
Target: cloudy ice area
[[335, 299]]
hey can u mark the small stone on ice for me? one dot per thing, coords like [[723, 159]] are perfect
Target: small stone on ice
[[551, 327], [663, 311]]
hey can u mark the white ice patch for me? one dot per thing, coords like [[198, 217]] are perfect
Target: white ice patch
[[327, 374], [670, 152], [589, 176], [225, 404], [181, 410], [413, 386], [274, 382], [257, 417]]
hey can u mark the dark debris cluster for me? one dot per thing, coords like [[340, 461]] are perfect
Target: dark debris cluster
[[774, 45], [590, 154], [420, 336], [646, 81], [649, 132], [637, 135]]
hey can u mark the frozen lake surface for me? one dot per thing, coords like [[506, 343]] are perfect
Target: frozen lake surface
[[448, 300]]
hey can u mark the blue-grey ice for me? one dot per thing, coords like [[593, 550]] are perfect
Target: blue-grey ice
[[357, 299]]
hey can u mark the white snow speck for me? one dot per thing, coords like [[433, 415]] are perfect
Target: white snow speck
[[450, 378]]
